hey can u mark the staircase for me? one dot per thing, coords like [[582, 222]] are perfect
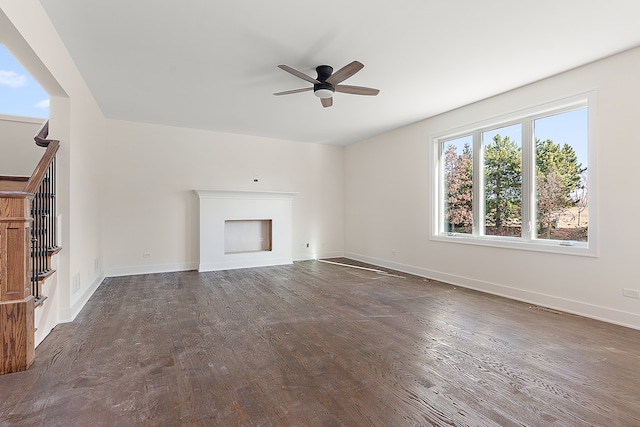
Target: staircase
[[27, 243]]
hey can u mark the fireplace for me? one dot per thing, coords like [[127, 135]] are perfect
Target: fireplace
[[241, 229]]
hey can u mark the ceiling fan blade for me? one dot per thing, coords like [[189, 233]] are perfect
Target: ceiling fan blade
[[288, 92], [326, 102], [357, 90], [298, 74], [345, 72]]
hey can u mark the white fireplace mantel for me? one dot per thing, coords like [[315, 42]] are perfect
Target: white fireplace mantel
[[220, 206]]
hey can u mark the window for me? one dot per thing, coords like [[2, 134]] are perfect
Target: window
[[519, 181]]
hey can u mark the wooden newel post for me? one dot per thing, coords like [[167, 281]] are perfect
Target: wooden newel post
[[17, 345]]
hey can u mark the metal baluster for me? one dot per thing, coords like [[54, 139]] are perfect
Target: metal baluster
[[34, 254], [40, 237], [36, 231], [42, 241], [50, 217], [44, 245], [53, 204], [47, 219], [45, 206]]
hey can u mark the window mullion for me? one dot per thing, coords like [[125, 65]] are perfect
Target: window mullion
[[528, 180], [478, 185], [440, 220]]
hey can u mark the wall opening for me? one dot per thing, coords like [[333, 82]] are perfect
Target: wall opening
[[20, 93]]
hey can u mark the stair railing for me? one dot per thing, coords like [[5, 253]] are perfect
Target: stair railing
[[42, 184], [27, 242]]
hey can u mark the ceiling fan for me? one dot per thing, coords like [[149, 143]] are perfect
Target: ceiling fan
[[327, 82]]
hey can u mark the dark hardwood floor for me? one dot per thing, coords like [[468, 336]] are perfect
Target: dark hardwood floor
[[318, 344]]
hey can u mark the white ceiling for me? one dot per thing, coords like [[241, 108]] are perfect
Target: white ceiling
[[212, 65]]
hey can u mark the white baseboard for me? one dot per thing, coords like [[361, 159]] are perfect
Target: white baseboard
[[605, 314], [243, 263], [308, 257], [45, 315], [188, 266], [70, 313], [149, 269]]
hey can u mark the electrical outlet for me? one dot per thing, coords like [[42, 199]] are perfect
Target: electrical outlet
[[631, 293], [146, 255]]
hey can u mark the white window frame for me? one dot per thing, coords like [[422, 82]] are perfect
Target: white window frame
[[528, 240]]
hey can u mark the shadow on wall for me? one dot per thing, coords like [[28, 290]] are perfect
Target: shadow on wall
[[16, 137]]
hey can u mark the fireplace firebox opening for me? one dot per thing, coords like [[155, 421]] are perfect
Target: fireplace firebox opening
[[248, 235]]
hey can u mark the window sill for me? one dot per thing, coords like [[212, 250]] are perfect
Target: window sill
[[562, 247]]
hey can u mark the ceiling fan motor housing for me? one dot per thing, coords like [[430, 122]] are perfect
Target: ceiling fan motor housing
[[323, 89]]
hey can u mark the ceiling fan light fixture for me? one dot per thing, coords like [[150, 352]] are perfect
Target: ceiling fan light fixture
[[323, 93], [328, 82]]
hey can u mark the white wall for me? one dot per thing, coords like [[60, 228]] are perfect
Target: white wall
[[387, 184], [149, 206], [19, 153], [78, 123]]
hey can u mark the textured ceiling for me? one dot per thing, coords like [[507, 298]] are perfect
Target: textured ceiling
[[213, 64]]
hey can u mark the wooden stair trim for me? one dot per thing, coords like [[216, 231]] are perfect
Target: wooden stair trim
[[17, 340], [41, 137], [38, 301], [44, 275], [14, 178], [12, 183], [16, 195], [43, 165]]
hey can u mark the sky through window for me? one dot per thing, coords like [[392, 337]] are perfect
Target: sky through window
[[20, 94]]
